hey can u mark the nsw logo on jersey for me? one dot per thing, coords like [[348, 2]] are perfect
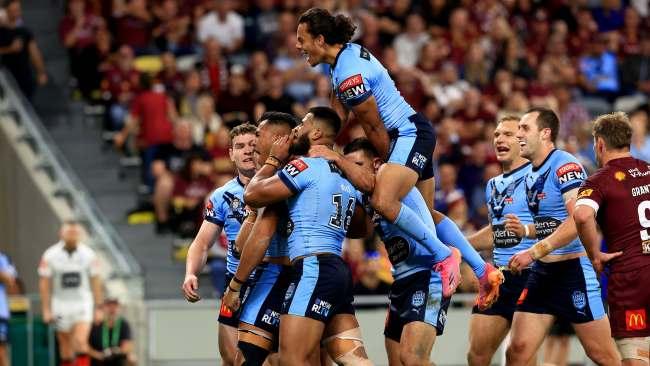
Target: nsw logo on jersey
[[535, 191], [295, 167], [209, 209], [352, 87], [499, 200], [569, 172], [237, 209]]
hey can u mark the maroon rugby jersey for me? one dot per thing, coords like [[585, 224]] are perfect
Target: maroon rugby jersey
[[620, 193]]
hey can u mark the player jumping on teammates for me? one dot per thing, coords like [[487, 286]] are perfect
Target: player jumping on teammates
[[418, 309], [505, 195], [322, 205], [617, 197], [404, 139], [263, 243], [562, 282], [224, 211]]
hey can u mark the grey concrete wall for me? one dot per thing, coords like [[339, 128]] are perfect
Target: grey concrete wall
[[29, 221]]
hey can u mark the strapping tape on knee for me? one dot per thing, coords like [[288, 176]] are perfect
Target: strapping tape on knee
[[257, 333], [348, 335]]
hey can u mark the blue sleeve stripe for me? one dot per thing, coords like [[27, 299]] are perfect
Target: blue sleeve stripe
[[287, 181], [359, 100], [570, 187], [214, 221]]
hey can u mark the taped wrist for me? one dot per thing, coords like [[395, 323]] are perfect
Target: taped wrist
[[541, 249]]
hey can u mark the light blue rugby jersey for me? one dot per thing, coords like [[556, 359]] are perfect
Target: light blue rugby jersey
[[226, 208], [357, 74], [506, 194], [321, 208], [545, 185], [407, 255], [6, 267]]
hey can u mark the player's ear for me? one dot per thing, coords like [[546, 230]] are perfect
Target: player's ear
[[316, 133], [376, 163], [230, 154]]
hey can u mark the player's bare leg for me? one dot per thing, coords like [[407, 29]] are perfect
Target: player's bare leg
[[486, 332], [415, 344], [427, 189], [556, 350], [257, 337], [393, 182], [343, 341], [227, 344], [66, 352], [596, 339], [80, 334], [299, 339], [527, 334], [392, 349]]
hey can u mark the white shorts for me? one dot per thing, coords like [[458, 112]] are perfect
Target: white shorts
[[67, 314]]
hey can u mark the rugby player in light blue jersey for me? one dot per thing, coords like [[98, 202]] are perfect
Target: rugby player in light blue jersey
[[322, 205], [562, 282], [262, 242], [505, 195], [404, 139], [418, 308], [224, 211]]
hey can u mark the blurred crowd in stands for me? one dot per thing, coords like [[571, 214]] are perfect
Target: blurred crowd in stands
[[179, 74]]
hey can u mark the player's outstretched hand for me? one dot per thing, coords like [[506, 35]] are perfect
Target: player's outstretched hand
[[190, 288], [322, 151], [521, 260], [280, 148], [601, 258], [489, 285], [231, 300], [513, 224]]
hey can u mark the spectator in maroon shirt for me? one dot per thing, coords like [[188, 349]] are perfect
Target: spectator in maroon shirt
[[212, 68], [171, 32], [169, 160], [133, 27], [276, 99], [630, 33], [460, 35], [119, 86], [191, 186], [152, 113], [169, 76], [78, 33], [235, 104]]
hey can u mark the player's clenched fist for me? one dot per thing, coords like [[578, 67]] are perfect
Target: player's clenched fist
[[190, 288], [513, 224], [231, 299]]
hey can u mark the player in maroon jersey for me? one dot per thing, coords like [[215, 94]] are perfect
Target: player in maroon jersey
[[617, 197]]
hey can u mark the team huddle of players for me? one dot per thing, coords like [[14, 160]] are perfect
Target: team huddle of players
[[289, 294]]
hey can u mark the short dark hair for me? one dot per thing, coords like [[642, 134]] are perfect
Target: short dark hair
[[615, 129], [546, 118], [279, 118], [334, 29], [361, 144], [328, 116], [243, 129]]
